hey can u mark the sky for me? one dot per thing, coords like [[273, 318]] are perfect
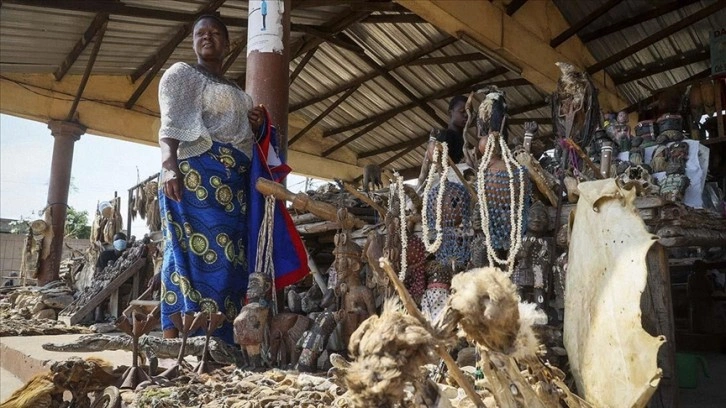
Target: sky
[[101, 166]]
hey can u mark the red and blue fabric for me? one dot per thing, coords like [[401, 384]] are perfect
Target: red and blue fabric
[[288, 254]]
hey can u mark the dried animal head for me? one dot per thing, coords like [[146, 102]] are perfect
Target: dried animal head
[[485, 305], [388, 353]]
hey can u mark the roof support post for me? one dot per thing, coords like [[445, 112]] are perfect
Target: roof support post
[[268, 49], [65, 134]]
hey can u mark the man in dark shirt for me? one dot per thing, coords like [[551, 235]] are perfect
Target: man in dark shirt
[[454, 134], [111, 255]]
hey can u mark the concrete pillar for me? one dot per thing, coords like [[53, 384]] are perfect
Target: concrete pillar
[[268, 72], [65, 135]]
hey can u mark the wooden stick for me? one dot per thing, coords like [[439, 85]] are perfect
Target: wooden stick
[[412, 309], [585, 158], [469, 188]]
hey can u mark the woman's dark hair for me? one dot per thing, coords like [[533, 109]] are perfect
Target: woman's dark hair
[[456, 100], [119, 235], [215, 18]]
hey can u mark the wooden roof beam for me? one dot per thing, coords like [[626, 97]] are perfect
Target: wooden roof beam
[[514, 5], [452, 90], [587, 20], [516, 39], [403, 89], [160, 58], [99, 22], [320, 117], [637, 19], [378, 120], [373, 6], [393, 19], [652, 39], [89, 67], [680, 60], [417, 141], [120, 9], [301, 65], [400, 154], [335, 39], [474, 56], [373, 74], [527, 108], [236, 50], [336, 25], [647, 101]]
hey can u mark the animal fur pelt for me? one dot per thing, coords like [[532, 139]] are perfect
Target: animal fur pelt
[[576, 95], [80, 376], [388, 353], [485, 305]]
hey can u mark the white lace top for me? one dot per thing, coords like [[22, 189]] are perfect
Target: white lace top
[[198, 108]]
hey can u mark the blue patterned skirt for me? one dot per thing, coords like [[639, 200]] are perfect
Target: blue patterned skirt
[[205, 238]]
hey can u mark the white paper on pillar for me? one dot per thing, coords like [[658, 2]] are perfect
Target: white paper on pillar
[[613, 359], [696, 170], [264, 33]]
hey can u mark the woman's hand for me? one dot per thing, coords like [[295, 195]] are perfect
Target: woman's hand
[[172, 183], [256, 116]]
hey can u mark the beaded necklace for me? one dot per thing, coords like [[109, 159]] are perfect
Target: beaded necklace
[[442, 153], [402, 225], [516, 202]]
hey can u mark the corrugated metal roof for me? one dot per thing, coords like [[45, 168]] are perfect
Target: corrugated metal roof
[[37, 40], [691, 38]]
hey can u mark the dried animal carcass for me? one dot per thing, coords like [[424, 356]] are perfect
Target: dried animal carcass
[[388, 353], [575, 108], [79, 376], [484, 304]]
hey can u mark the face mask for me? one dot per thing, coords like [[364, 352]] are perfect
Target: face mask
[[119, 244]]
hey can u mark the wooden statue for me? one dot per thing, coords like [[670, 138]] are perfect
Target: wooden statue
[[647, 131], [286, 329], [622, 132], [314, 341], [259, 332], [251, 326], [659, 162], [673, 187], [438, 282], [636, 151], [356, 299], [534, 267]]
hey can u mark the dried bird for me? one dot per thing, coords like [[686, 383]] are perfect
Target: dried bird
[[485, 305], [492, 111], [575, 108], [389, 352]]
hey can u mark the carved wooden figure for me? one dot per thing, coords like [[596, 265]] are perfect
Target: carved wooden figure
[[314, 341], [673, 187], [356, 299], [534, 267]]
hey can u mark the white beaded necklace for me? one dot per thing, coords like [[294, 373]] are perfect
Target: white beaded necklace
[[516, 213], [442, 153], [402, 225]]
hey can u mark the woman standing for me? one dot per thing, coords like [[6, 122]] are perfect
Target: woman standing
[[206, 139]]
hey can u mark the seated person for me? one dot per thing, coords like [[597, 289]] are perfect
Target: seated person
[[111, 255]]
